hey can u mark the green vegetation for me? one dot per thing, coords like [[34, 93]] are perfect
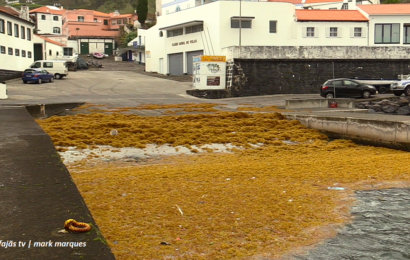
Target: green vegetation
[[142, 11]]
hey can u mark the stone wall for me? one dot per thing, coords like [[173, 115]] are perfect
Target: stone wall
[[9, 74], [299, 76]]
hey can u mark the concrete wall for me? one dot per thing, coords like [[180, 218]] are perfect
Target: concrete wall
[[374, 131], [318, 52]]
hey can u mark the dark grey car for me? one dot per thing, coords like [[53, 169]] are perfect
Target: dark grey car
[[335, 88]]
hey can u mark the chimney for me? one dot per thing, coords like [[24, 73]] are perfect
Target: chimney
[[24, 12]]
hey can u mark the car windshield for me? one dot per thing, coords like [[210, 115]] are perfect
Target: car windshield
[[327, 83], [29, 71]]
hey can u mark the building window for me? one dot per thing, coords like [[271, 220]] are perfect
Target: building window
[[310, 32], [56, 30], [244, 24], [95, 20], [119, 21], [161, 34], [176, 32], [68, 51], [57, 53], [9, 29], [272, 26], [2, 29], [2, 50], [50, 52], [10, 51], [105, 22], [113, 22], [23, 53], [55, 18], [406, 33], [332, 32], [124, 21], [80, 18], [387, 33], [43, 17], [194, 29], [17, 52], [29, 54], [357, 32], [28, 34], [16, 30], [23, 32]]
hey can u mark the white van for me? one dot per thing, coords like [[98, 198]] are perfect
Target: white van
[[56, 67]]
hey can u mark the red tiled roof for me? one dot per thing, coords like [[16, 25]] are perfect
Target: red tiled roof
[[50, 41], [384, 9], [322, 1], [101, 14], [8, 11], [287, 1], [330, 15], [46, 10]]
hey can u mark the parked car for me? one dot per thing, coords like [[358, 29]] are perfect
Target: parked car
[[36, 75], [57, 67], [335, 88]]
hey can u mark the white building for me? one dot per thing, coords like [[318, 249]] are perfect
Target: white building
[[16, 42], [50, 49], [178, 36], [48, 19]]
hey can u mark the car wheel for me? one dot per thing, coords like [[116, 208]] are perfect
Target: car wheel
[[407, 91], [366, 94], [382, 90], [51, 79], [39, 81], [25, 81], [329, 95], [57, 76], [397, 93]]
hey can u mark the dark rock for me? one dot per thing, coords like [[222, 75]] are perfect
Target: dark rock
[[405, 110], [390, 108], [403, 102], [371, 111], [376, 108], [360, 105]]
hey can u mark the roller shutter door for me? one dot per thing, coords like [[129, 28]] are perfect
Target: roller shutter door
[[176, 64], [189, 62]]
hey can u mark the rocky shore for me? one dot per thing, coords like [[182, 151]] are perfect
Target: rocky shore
[[395, 105]]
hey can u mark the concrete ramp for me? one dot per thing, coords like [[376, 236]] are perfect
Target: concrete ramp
[[37, 195]]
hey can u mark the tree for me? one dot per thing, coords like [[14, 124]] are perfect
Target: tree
[[125, 39], [142, 11]]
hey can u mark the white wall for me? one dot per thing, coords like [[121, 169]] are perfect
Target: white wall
[[50, 50], [13, 62], [47, 26], [387, 19]]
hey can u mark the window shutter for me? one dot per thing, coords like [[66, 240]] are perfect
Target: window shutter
[[316, 32], [339, 32], [352, 32], [364, 32], [304, 32], [327, 29]]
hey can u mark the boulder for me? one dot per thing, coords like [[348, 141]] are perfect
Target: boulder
[[404, 110], [403, 102], [390, 108], [360, 105]]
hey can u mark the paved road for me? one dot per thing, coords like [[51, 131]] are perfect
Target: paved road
[[120, 89]]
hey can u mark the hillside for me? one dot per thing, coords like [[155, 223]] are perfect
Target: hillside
[[106, 6]]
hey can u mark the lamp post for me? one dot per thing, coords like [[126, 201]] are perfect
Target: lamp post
[[78, 43], [240, 28]]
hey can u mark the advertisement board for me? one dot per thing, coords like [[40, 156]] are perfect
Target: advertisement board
[[209, 72]]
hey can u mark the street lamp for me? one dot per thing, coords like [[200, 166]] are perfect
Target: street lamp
[[78, 43]]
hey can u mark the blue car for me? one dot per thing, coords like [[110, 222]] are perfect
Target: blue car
[[36, 75]]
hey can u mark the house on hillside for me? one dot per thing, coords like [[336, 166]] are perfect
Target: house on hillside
[[279, 47], [48, 19], [327, 4], [94, 31], [16, 43]]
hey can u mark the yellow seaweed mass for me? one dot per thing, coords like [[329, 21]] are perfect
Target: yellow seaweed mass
[[247, 204]]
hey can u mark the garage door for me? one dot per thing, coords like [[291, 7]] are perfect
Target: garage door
[[176, 64], [189, 56]]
